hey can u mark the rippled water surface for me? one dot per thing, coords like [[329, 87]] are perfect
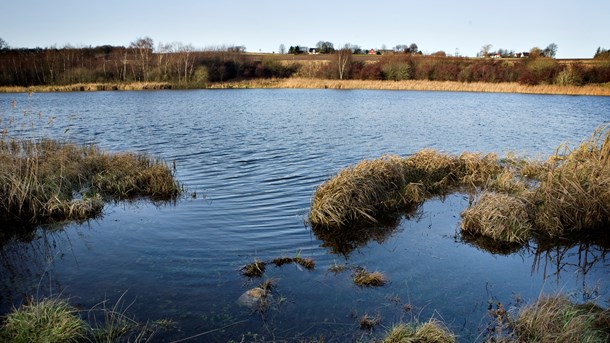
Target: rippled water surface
[[254, 159]]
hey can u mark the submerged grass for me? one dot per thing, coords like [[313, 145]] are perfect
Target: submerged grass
[[44, 181]]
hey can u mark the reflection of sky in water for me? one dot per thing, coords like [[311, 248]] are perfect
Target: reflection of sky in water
[[254, 157]]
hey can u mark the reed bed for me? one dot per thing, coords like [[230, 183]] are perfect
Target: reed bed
[[44, 181], [418, 85], [556, 319], [88, 87]]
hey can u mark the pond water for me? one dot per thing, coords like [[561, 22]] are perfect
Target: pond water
[[254, 159]]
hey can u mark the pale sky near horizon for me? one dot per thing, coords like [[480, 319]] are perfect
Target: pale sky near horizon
[[577, 27]]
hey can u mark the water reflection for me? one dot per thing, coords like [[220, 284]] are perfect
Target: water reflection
[[346, 240]]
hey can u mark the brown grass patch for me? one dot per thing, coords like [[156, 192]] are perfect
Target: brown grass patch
[[364, 278], [500, 217], [432, 331], [556, 319], [88, 87], [368, 322], [361, 194]]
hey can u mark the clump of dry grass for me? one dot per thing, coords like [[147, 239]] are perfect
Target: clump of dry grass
[[500, 217], [254, 269], [363, 278], [361, 194], [432, 331], [39, 180], [372, 190], [556, 319], [574, 194]]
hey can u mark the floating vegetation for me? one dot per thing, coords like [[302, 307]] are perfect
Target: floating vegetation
[[368, 322], [307, 263], [280, 261], [337, 268], [557, 319], [254, 269], [257, 268], [432, 331], [363, 278]]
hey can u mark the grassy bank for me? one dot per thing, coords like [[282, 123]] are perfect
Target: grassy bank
[[315, 83], [44, 181], [420, 85]]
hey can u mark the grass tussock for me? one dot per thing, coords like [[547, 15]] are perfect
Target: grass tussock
[[574, 194], [45, 181], [432, 331], [363, 278], [372, 190], [49, 320], [361, 193], [556, 319], [501, 217], [368, 322]]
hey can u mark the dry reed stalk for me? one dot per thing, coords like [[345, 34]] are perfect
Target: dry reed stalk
[[556, 319], [503, 218], [574, 194]]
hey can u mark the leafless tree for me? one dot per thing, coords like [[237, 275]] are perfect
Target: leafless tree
[[343, 59]]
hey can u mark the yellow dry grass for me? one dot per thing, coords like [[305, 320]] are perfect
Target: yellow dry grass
[[419, 85], [574, 194], [432, 331], [556, 319], [503, 218]]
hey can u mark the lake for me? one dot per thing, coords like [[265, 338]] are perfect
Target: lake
[[251, 161]]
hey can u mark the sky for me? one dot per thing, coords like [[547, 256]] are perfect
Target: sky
[[577, 27]]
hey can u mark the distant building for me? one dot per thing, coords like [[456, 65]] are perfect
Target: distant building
[[372, 52]]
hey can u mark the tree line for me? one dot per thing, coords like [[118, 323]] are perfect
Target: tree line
[[176, 63], [184, 66]]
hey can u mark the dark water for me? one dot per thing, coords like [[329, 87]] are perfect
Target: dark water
[[254, 159]]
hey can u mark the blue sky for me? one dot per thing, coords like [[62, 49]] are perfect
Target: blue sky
[[577, 27]]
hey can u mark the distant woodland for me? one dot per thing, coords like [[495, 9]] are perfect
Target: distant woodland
[[183, 66]]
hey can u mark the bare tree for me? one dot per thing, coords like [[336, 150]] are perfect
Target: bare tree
[[282, 48], [3, 44], [343, 59], [142, 49], [485, 50]]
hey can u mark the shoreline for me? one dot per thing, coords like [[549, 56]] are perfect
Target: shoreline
[[312, 83]]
